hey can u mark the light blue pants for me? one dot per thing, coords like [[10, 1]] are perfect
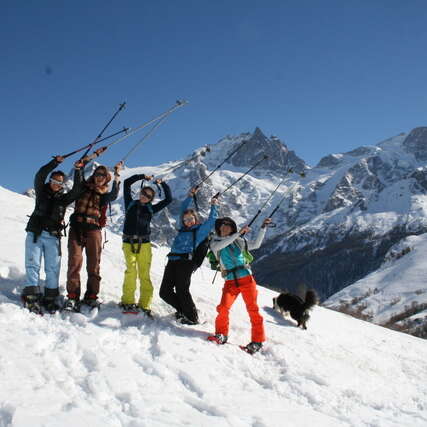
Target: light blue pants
[[47, 246]]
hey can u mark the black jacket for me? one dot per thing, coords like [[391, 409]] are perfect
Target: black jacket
[[138, 215], [50, 206]]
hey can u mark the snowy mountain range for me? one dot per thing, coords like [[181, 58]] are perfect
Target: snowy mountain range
[[338, 224], [108, 369]]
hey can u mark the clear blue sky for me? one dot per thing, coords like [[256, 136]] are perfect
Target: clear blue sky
[[324, 76]]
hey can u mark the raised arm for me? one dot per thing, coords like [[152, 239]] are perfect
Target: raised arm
[[168, 198], [127, 184], [207, 226], [44, 171], [255, 244], [217, 244], [112, 195], [78, 186]]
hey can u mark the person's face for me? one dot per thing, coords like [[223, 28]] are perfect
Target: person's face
[[225, 229], [146, 196], [56, 183], [100, 177], [189, 220]]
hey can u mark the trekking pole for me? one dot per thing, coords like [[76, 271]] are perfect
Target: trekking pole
[[98, 138], [124, 130], [202, 153], [265, 203], [132, 131], [144, 138], [279, 204], [217, 167], [220, 193], [213, 280], [302, 174]]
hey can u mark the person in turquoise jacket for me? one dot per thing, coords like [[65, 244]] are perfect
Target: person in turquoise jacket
[[175, 287]]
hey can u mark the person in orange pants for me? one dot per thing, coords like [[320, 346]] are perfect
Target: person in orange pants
[[231, 250]]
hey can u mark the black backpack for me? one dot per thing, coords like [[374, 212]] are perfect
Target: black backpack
[[199, 252]]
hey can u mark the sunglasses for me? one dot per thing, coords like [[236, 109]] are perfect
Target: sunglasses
[[97, 175], [147, 195], [227, 223], [54, 181]]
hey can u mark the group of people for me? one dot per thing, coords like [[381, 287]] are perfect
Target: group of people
[[91, 196]]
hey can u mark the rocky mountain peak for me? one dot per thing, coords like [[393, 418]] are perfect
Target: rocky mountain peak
[[416, 143], [258, 145]]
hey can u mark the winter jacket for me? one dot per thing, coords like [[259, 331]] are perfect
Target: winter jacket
[[229, 251], [50, 207], [87, 212], [138, 215], [188, 238]]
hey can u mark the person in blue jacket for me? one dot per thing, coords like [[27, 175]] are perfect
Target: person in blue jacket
[[175, 287]]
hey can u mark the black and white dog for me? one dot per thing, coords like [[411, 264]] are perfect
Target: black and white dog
[[296, 306]]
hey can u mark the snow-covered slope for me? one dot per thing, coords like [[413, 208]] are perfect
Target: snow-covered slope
[[113, 370], [337, 223], [394, 295]]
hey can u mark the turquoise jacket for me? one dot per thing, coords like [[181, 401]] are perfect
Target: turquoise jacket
[[229, 251]]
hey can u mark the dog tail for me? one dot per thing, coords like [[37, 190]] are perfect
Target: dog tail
[[310, 299]]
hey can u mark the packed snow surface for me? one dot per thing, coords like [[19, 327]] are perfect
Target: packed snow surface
[[111, 369]]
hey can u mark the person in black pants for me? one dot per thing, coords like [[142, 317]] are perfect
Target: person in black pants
[[175, 287]]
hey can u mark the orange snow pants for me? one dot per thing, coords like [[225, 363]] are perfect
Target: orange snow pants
[[247, 287]]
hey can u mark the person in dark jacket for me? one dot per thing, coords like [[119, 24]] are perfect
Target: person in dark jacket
[[175, 287], [85, 233], [136, 242], [44, 230]]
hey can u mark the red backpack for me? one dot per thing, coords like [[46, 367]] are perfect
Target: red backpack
[[103, 218]]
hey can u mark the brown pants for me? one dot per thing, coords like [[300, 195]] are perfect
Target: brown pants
[[91, 240]]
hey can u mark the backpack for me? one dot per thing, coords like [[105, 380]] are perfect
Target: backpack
[[103, 218], [214, 262], [199, 252]]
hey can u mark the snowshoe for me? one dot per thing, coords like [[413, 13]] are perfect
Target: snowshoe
[[71, 304], [186, 321], [252, 347], [33, 303], [147, 312], [50, 305], [129, 308], [92, 303], [218, 338]]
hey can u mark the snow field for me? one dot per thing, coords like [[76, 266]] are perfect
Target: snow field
[[112, 369]]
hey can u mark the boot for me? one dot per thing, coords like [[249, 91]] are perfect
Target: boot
[[218, 338], [91, 301], [50, 298], [252, 347], [32, 299], [71, 304]]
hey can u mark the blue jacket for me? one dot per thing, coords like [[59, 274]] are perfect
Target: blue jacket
[[184, 242]]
